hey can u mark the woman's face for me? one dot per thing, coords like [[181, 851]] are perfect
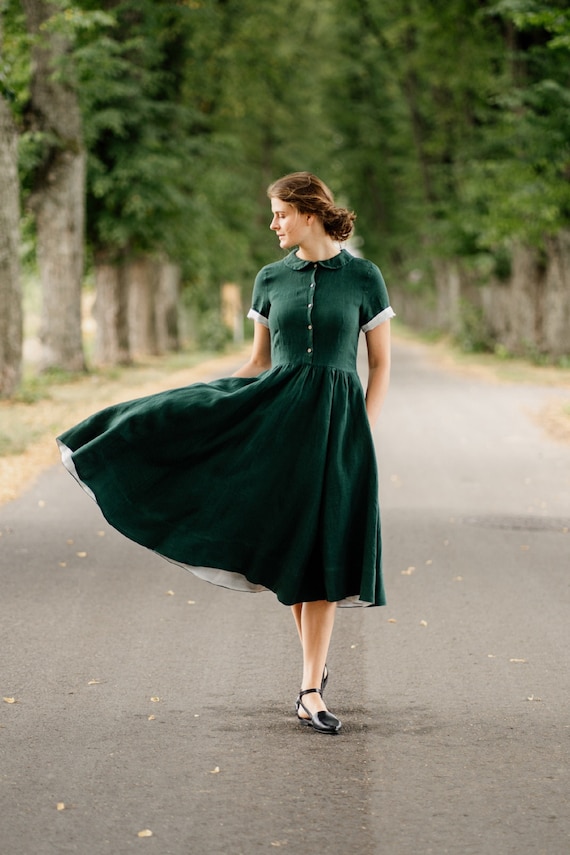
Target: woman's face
[[290, 226]]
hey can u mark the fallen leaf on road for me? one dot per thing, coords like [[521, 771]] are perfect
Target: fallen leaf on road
[[146, 832], [9, 700], [94, 682], [60, 806], [408, 572], [392, 620], [458, 578], [69, 541], [81, 554], [155, 699], [429, 561], [518, 660], [491, 656], [191, 602], [215, 770], [151, 717], [423, 623], [532, 698], [63, 563], [169, 593]]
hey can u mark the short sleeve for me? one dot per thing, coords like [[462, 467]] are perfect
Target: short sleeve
[[260, 304], [375, 307]]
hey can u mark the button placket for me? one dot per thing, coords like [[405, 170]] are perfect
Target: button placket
[[310, 303]]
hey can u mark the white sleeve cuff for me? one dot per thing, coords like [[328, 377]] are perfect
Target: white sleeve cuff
[[256, 316], [378, 319]]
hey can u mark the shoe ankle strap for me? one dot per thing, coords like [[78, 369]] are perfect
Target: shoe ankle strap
[[310, 691]]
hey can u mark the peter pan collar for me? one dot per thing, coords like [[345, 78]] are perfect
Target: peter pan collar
[[333, 263]]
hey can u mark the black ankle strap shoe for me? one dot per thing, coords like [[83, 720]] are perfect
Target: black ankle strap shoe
[[322, 721]]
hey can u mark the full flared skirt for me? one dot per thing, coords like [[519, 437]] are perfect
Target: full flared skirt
[[264, 483]]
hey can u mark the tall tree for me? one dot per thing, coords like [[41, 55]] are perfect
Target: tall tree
[[139, 135], [58, 193], [10, 288]]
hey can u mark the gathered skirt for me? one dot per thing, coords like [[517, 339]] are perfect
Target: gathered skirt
[[262, 483]]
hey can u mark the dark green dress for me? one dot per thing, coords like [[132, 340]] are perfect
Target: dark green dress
[[267, 482]]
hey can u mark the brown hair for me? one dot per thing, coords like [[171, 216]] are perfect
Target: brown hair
[[310, 195]]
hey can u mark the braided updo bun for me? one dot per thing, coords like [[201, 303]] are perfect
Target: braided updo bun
[[310, 195]]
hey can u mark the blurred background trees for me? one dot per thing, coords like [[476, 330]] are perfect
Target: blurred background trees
[[11, 321], [148, 132]]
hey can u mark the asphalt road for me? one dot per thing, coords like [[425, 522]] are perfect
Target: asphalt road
[[145, 699]]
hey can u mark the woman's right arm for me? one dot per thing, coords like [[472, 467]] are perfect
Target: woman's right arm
[[260, 359]]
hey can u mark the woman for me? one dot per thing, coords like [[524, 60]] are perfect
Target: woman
[[267, 480]]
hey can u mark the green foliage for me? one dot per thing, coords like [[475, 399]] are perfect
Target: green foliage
[[15, 68], [457, 136], [137, 128], [474, 336], [445, 126], [15, 78], [253, 74], [518, 185]]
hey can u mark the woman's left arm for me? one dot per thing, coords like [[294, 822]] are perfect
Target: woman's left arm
[[378, 343]]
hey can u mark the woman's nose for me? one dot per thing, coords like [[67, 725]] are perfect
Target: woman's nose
[[273, 223]]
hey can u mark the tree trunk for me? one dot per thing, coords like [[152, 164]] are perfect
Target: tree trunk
[[58, 199], [111, 312], [527, 295], [142, 277], [166, 307], [557, 296], [10, 289], [232, 310]]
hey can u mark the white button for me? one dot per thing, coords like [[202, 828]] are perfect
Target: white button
[[309, 350], [310, 306], [312, 284], [315, 265], [310, 327]]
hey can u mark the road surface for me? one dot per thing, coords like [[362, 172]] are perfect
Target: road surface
[[145, 700]]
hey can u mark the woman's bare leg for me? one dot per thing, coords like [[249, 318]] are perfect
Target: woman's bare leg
[[315, 621], [296, 611]]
